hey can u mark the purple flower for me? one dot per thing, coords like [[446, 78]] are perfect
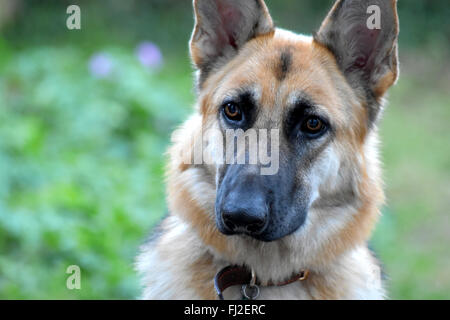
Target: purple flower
[[100, 65], [149, 55]]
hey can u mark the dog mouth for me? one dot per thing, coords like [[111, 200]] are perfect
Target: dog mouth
[[263, 237], [250, 232]]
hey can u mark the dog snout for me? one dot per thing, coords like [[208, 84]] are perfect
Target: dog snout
[[243, 202], [237, 220], [242, 212]]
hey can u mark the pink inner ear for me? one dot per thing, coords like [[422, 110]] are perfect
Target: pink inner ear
[[366, 45], [230, 17]]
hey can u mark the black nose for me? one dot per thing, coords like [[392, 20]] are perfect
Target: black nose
[[244, 213], [242, 221]]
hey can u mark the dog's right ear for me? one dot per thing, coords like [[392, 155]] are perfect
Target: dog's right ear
[[222, 27]]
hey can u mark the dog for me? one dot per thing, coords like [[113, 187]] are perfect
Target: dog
[[302, 232]]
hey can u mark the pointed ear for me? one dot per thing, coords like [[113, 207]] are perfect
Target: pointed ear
[[222, 27], [362, 34]]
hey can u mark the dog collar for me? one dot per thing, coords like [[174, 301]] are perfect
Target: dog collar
[[239, 275]]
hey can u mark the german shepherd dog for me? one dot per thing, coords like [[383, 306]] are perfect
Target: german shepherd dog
[[300, 232]]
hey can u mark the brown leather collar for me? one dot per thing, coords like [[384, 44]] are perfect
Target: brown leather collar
[[239, 275]]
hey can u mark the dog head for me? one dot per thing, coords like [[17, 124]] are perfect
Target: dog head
[[320, 96]]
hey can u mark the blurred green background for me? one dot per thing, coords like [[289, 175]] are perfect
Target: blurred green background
[[85, 117]]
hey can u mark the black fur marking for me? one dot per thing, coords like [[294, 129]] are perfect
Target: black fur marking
[[302, 107], [284, 65], [247, 104]]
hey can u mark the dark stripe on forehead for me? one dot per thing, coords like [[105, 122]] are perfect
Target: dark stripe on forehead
[[284, 64]]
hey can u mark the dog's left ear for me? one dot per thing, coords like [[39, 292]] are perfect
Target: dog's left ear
[[222, 27], [362, 35]]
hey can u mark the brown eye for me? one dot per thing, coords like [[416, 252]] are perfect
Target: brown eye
[[313, 126], [232, 111]]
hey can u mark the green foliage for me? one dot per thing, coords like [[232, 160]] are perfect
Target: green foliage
[[82, 156], [82, 170]]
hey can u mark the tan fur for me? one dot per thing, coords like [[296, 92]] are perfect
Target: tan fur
[[331, 244]]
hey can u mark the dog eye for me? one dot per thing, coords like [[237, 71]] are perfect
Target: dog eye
[[232, 111], [313, 126]]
